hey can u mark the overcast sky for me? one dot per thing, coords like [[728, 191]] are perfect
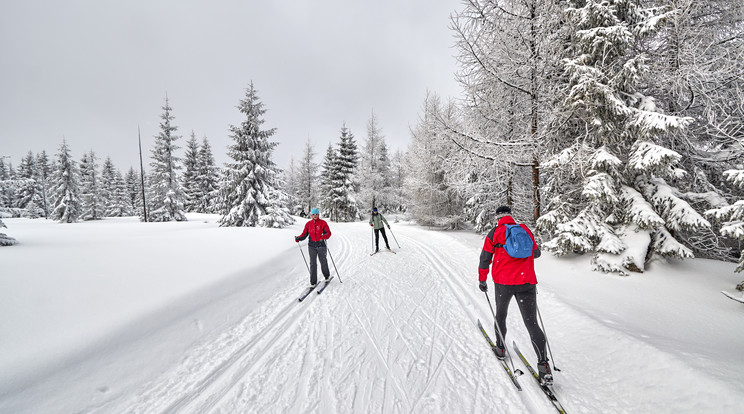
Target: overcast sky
[[93, 71]]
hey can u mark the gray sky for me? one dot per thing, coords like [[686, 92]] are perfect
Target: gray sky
[[92, 71]]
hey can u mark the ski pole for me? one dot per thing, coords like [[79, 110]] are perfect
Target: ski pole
[[501, 337], [373, 239], [393, 234], [334, 263], [303, 257], [547, 344]]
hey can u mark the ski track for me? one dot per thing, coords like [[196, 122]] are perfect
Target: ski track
[[397, 334]]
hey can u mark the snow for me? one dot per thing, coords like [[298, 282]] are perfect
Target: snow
[[118, 316]]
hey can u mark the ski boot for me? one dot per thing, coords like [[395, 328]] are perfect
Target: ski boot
[[544, 374]]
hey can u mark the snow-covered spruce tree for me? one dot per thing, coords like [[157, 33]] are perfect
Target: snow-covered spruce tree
[[30, 195], [623, 207], [697, 60], [44, 172], [344, 184], [374, 170], [208, 179], [90, 188], [191, 174], [250, 190], [328, 176], [133, 187], [5, 191], [732, 217], [65, 179], [6, 240], [434, 200], [166, 196], [114, 194]]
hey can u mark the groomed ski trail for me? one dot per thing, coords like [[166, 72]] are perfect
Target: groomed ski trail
[[398, 336]]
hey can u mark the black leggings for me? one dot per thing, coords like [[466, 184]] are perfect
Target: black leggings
[[377, 237], [527, 300]]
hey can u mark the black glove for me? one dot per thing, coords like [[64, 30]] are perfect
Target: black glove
[[483, 286], [297, 239]]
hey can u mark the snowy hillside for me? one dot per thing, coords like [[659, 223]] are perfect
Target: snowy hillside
[[119, 316]]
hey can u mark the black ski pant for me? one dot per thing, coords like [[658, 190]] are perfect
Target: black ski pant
[[527, 300], [377, 238], [318, 253]]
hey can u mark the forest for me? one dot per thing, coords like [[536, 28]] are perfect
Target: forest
[[615, 128]]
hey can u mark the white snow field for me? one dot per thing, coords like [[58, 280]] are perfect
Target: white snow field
[[118, 316]]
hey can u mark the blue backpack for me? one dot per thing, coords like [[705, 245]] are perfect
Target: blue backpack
[[518, 242]]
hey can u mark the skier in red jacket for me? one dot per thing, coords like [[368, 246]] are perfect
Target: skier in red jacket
[[319, 232], [513, 277]]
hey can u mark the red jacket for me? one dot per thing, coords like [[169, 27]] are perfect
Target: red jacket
[[317, 230], [506, 270]]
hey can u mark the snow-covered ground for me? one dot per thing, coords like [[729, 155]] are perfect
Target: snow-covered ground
[[118, 316]]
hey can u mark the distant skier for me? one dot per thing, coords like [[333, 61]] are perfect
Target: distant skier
[[514, 277], [376, 222], [319, 232]]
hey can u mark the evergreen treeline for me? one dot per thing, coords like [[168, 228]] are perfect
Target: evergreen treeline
[[614, 126]]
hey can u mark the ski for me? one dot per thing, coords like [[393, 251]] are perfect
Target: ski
[[305, 293], [501, 360], [325, 285], [391, 251], [547, 389], [732, 297], [373, 253]]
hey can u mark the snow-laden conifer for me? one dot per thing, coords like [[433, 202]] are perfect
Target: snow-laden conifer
[[207, 178], [65, 179], [250, 191], [43, 174], [732, 216], [93, 199], [133, 189], [191, 174], [611, 188], [166, 197], [30, 195], [342, 183]]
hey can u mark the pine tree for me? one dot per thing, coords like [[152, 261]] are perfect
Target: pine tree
[[5, 191], [90, 188], [67, 203], [208, 179], [44, 172], [250, 190], [30, 193], [344, 185], [328, 177], [191, 174], [732, 217], [133, 188], [116, 200], [166, 195], [623, 205]]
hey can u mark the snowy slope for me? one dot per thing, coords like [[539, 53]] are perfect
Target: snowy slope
[[212, 324]]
